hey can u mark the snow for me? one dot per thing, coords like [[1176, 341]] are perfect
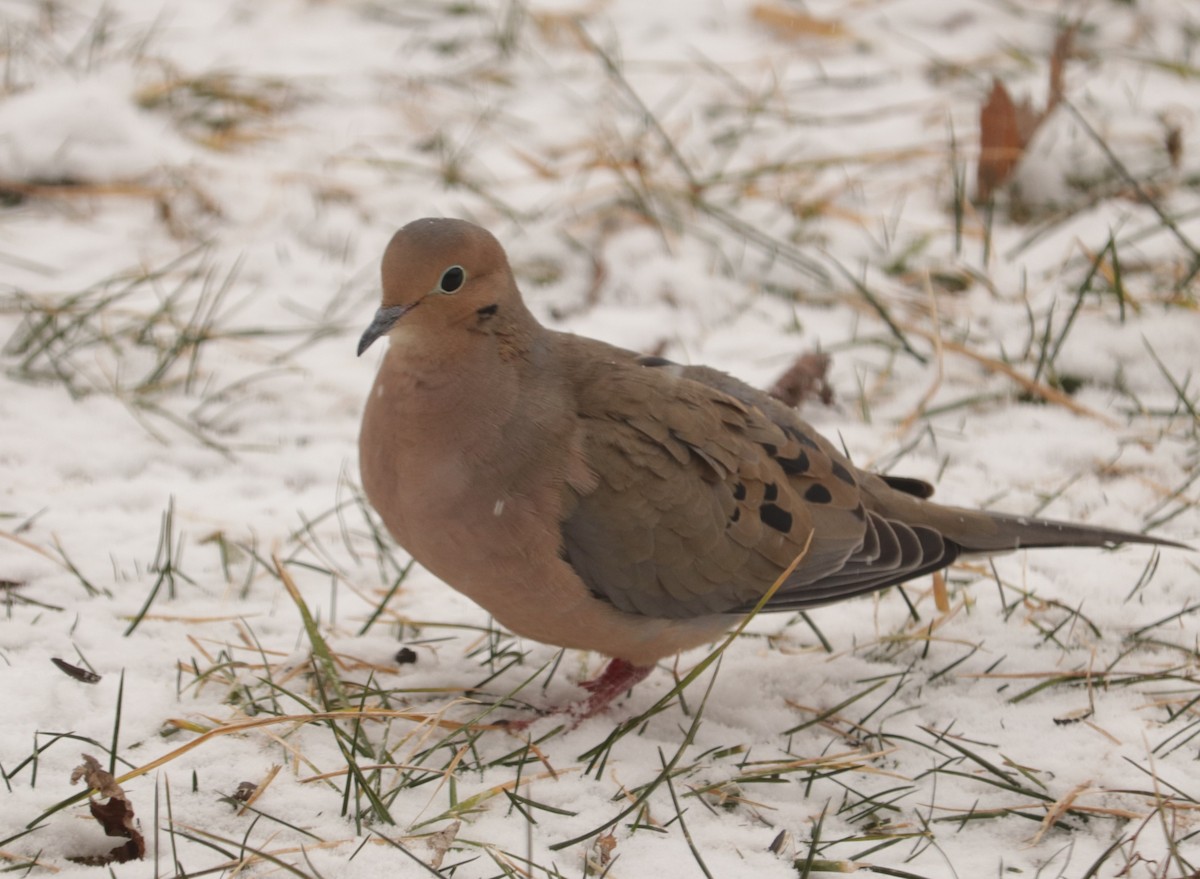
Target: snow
[[83, 129], [233, 172]]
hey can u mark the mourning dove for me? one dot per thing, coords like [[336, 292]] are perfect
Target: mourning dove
[[592, 498]]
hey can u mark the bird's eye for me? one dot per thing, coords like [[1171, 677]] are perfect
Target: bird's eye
[[452, 279]]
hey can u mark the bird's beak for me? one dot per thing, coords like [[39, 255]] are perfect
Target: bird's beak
[[385, 318]]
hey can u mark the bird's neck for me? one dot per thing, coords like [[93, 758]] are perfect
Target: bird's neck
[[449, 381]]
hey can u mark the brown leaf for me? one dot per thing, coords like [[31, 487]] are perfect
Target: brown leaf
[[805, 378], [116, 816], [1006, 128], [439, 843], [604, 846], [1000, 143]]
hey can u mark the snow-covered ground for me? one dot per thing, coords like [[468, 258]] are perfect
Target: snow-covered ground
[[193, 200]]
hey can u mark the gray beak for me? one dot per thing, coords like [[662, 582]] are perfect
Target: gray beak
[[385, 318]]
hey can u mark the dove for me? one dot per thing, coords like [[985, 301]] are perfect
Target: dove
[[593, 498]]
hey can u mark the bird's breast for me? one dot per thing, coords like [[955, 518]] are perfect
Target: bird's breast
[[461, 481]]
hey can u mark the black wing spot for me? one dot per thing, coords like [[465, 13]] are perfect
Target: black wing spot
[[802, 438], [770, 449], [739, 491], [794, 466], [818, 494], [771, 492], [775, 517], [916, 487], [843, 474], [737, 514], [654, 360]]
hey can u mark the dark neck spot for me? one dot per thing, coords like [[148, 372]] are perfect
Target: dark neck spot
[[487, 311]]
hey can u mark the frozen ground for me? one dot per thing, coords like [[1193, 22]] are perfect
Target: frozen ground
[[195, 196]]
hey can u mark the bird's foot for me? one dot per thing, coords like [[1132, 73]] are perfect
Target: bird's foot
[[617, 677]]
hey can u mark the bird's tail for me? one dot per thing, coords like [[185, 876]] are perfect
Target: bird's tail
[[998, 532], [983, 531]]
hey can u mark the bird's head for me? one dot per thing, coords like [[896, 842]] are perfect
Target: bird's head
[[440, 275]]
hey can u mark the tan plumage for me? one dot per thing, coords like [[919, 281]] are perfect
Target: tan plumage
[[592, 498]]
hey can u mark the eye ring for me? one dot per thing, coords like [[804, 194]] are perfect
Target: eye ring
[[452, 280]]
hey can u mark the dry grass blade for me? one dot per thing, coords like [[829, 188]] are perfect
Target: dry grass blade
[[939, 362], [794, 24], [598, 753], [22, 189], [241, 727], [1030, 386], [1059, 808]]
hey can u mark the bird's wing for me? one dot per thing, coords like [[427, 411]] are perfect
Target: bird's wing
[[707, 490]]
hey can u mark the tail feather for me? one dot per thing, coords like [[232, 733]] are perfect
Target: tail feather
[[906, 536], [984, 531], [978, 532]]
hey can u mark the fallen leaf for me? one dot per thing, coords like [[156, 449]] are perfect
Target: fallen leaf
[[805, 378], [1007, 127], [1000, 143], [439, 843], [116, 816], [604, 846]]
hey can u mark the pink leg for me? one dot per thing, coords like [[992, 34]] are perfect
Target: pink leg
[[617, 677]]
